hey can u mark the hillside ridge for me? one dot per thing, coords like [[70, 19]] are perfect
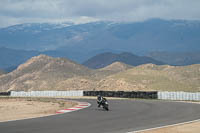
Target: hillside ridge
[[47, 73], [105, 59]]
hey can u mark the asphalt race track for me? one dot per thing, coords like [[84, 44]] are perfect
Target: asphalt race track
[[124, 116]]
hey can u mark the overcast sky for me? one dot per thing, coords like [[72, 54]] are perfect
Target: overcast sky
[[81, 11]]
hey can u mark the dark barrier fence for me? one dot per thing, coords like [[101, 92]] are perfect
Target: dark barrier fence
[[123, 94], [5, 93]]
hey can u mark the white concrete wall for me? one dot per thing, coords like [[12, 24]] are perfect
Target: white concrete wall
[[46, 93], [186, 96]]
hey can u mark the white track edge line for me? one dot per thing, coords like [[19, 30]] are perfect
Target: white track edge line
[[177, 124]]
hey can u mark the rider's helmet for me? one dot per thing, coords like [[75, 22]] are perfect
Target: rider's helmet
[[99, 97]]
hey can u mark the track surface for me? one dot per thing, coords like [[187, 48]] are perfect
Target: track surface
[[124, 116]]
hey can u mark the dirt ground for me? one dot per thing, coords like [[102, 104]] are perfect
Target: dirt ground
[[186, 128], [19, 108]]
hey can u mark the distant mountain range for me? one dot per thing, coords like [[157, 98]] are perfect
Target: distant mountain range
[[177, 58], [10, 58], [46, 73], [33, 36], [105, 59], [82, 41], [17, 57]]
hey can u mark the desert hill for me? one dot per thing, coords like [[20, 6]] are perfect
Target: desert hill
[[105, 59], [46, 73], [153, 77], [111, 69], [116, 67]]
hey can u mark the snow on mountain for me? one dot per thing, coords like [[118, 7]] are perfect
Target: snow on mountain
[[36, 27]]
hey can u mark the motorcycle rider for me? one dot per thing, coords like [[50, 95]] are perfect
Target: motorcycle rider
[[100, 100]]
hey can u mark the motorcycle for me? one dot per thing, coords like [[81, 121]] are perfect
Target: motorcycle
[[104, 104]]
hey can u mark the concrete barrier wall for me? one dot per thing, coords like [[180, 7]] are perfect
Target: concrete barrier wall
[[185, 96], [46, 93]]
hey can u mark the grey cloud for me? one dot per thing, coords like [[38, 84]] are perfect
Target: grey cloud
[[116, 10]]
